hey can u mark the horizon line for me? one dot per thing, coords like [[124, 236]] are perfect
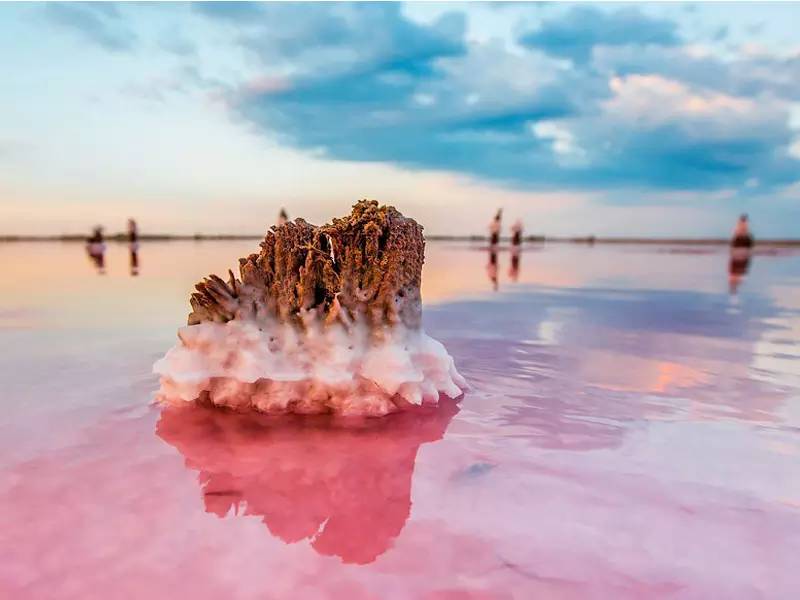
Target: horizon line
[[585, 239]]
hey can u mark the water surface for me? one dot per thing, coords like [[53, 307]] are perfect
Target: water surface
[[633, 431]]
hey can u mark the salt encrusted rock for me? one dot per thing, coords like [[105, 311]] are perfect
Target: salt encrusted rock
[[367, 264], [323, 319]]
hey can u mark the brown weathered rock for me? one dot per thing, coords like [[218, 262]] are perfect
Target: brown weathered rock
[[366, 265]]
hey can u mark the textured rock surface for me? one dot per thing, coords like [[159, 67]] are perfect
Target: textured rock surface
[[368, 264], [322, 320]]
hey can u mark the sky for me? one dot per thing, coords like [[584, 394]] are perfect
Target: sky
[[629, 119]]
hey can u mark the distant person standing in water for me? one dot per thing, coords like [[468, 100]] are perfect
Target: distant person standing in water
[[741, 251], [494, 228], [516, 235], [96, 249], [133, 246], [282, 216], [742, 238]]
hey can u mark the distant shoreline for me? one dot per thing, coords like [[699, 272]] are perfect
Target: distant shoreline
[[587, 240]]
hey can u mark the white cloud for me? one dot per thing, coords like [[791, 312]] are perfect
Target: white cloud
[[562, 139], [424, 99], [654, 98]]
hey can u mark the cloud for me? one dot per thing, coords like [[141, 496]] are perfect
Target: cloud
[[173, 40], [575, 34], [375, 112], [635, 106], [636, 97], [179, 81], [229, 11], [97, 22], [745, 74], [664, 133], [417, 96], [375, 86], [324, 40]]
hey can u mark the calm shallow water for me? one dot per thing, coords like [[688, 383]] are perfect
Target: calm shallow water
[[633, 431]]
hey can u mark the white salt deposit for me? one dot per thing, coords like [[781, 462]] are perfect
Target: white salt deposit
[[277, 367]]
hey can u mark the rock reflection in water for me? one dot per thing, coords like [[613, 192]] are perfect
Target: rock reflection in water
[[343, 484]]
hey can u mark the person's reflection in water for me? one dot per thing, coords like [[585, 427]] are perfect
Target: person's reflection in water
[[133, 246], [494, 242], [343, 484], [741, 252], [513, 270], [491, 267], [96, 249], [516, 250]]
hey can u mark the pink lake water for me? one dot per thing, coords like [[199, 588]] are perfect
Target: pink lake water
[[632, 431]]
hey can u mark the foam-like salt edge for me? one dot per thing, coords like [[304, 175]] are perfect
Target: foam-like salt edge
[[275, 367]]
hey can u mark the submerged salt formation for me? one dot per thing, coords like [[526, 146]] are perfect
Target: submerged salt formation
[[323, 319]]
